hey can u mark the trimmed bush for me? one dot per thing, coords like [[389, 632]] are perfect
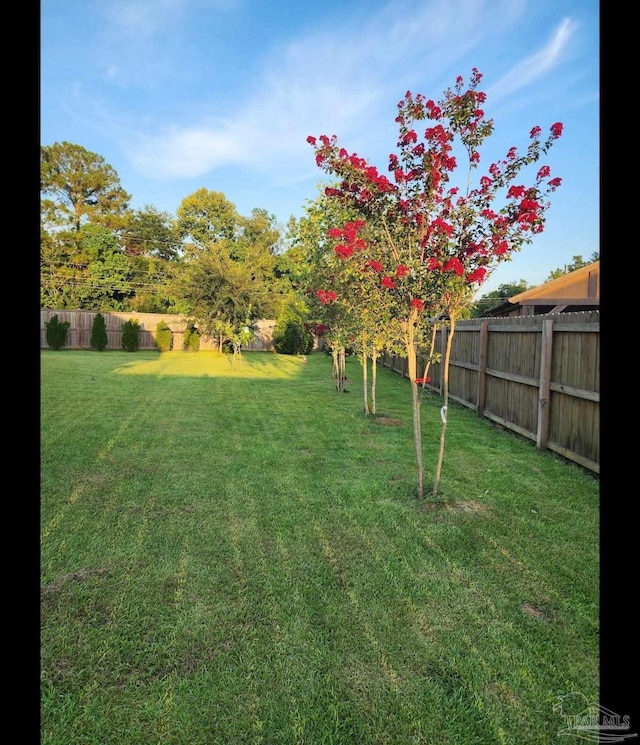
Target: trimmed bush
[[99, 338], [291, 337], [164, 337], [191, 340], [130, 335], [56, 332]]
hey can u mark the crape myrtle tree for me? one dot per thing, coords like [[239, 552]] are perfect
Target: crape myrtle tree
[[315, 267], [442, 238]]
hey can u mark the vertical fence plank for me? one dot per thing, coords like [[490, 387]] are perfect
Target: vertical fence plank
[[482, 368], [544, 391]]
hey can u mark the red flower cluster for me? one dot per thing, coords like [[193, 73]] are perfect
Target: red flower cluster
[[477, 275], [417, 303], [326, 296], [349, 233], [343, 251], [454, 265], [388, 283]]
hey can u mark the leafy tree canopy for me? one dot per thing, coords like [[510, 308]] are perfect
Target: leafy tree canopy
[[577, 263], [486, 302], [78, 186], [151, 233], [206, 217]]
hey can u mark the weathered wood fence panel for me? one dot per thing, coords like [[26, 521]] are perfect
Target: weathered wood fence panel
[[81, 324], [536, 375]]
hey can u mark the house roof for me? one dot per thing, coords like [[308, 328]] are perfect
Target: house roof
[[554, 287], [557, 293]]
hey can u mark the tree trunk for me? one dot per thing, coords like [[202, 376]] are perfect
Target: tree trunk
[[374, 378], [432, 343], [365, 382], [444, 410], [415, 398]]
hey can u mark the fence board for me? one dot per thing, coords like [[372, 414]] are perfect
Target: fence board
[[81, 324], [538, 375]]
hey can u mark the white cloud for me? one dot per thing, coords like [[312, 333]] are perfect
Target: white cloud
[[187, 152], [536, 65], [330, 81]]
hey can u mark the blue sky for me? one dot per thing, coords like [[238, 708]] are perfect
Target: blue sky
[[177, 95]]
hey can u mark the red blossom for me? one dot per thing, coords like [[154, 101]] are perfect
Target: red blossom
[[334, 233], [410, 136], [402, 271], [535, 132], [326, 296], [388, 282], [343, 251], [477, 275], [417, 303], [441, 226], [556, 129], [555, 183], [544, 172], [311, 140], [375, 265], [516, 192], [454, 265]]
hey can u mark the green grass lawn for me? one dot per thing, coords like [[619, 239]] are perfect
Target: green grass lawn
[[234, 554]]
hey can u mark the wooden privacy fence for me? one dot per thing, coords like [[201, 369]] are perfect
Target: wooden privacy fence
[[81, 324], [536, 375]]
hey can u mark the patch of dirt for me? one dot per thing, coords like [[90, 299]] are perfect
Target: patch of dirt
[[471, 506], [432, 505], [534, 611], [389, 421], [78, 576]]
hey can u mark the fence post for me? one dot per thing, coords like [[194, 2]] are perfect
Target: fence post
[[545, 384], [482, 368]]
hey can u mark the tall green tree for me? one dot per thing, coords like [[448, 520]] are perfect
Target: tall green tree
[[151, 233], [206, 217], [103, 276], [577, 263], [482, 306], [151, 242], [79, 186], [224, 296]]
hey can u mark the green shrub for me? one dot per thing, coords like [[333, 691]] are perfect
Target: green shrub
[[291, 337], [130, 335], [99, 338], [164, 337], [56, 332], [191, 340]]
